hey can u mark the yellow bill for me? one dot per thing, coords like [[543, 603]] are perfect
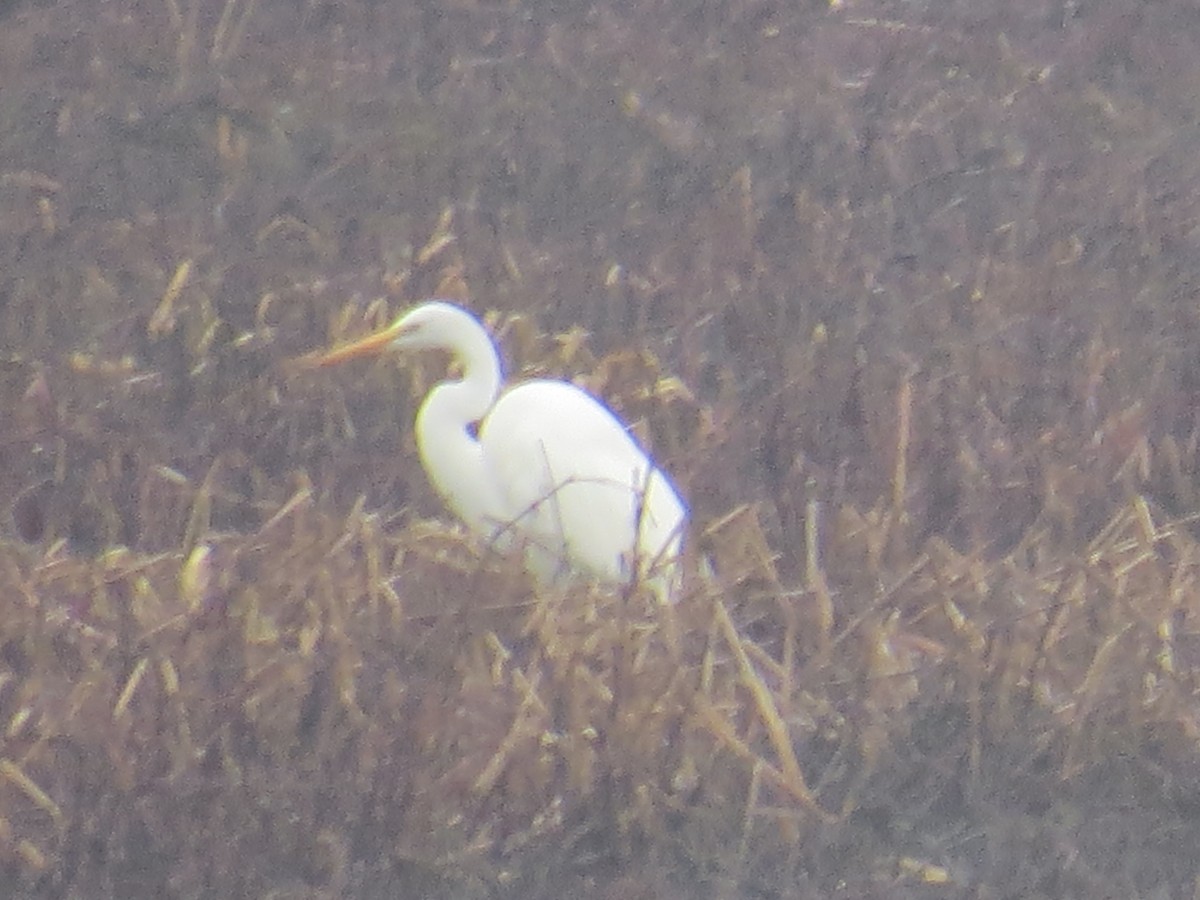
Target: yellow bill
[[371, 345]]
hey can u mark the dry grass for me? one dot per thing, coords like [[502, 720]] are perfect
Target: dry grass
[[351, 708], [905, 301]]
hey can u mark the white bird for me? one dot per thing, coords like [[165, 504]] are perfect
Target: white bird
[[552, 471]]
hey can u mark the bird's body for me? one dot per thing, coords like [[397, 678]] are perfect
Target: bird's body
[[577, 487], [552, 472]]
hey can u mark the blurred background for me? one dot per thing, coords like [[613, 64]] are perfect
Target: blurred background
[[916, 281]]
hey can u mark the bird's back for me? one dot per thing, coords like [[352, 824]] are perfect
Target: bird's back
[[578, 488]]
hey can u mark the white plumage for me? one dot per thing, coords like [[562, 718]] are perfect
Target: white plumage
[[552, 472]]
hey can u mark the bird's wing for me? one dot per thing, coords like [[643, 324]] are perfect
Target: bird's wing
[[575, 482]]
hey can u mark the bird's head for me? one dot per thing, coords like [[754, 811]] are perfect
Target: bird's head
[[435, 325]]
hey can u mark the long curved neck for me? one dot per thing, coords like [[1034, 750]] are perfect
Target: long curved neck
[[449, 449]]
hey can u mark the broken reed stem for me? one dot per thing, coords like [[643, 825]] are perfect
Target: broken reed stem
[[719, 726], [789, 777], [16, 775], [1088, 694], [815, 578], [903, 437], [230, 30], [518, 732]]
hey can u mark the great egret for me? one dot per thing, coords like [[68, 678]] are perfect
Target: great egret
[[552, 471]]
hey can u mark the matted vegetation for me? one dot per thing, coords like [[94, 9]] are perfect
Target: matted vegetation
[[904, 297]]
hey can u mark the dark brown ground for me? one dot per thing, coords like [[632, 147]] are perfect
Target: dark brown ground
[[926, 276]]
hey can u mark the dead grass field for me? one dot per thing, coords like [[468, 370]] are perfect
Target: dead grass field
[[904, 295]]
